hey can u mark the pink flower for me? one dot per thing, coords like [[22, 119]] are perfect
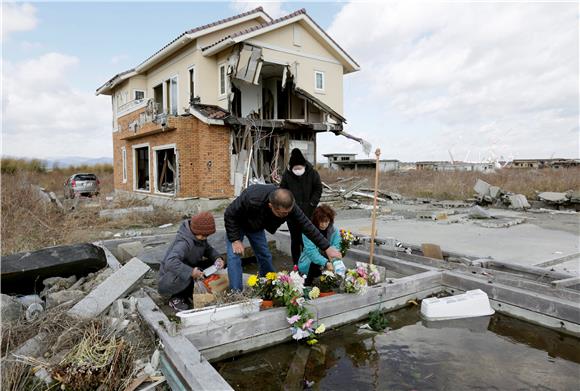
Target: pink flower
[[285, 278], [293, 319], [308, 324]]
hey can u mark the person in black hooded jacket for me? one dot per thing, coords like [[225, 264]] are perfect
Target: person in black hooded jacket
[[305, 184]]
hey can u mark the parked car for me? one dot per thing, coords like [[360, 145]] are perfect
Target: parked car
[[81, 184]]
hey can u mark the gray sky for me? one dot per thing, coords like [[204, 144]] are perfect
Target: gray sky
[[475, 79]]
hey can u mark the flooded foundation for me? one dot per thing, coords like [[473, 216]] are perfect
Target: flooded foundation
[[493, 352]]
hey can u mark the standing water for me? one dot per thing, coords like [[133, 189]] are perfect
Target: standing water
[[496, 352]]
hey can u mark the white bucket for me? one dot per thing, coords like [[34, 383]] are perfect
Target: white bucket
[[467, 305], [202, 316]]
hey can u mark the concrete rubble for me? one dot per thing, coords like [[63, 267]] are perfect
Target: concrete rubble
[[487, 194], [119, 213]]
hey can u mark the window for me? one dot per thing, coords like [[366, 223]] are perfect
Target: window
[[138, 94], [141, 167], [165, 96], [124, 156], [318, 81], [165, 169], [191, 84], [222, 79]]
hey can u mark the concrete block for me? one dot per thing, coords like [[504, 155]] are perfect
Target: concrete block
[[494, 192], [114, 214], [154, 255], [518, 201], [129, 250], [552, 197], [113, 288], [482, 188], [59, 282], [11, 309]]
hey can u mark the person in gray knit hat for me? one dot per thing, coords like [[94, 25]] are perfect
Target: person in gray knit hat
[[185, 259]]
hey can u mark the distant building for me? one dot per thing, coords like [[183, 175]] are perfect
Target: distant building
[[454, 166], [407, 166], [334, 158], [346, 161], [544, 163]]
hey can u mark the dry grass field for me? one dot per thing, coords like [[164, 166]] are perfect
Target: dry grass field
[[29, 223], [459, 185]]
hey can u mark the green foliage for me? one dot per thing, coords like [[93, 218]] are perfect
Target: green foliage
[[377, 320]]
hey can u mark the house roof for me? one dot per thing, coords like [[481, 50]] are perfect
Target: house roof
[[178, 42], [300, 14], [211, 111]]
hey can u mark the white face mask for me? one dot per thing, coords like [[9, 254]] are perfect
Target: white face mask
[[299, 171]]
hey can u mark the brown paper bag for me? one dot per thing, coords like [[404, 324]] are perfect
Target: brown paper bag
[[201, 296], [217, 283]]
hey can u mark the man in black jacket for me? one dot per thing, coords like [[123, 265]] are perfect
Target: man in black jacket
[[259, 208], [306, 187]]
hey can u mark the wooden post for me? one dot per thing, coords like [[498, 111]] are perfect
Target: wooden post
[[374, 218]]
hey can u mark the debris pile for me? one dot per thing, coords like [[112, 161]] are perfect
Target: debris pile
[[568, 199], [354, 194], [79, 333], [487, 194]]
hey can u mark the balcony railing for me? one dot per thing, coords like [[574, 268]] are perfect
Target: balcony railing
[[136, 103]]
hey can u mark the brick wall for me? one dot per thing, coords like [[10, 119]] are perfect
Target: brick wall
[[203, 153]]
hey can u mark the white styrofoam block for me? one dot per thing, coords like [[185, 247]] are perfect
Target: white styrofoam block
[[467, 305], [201, 316]]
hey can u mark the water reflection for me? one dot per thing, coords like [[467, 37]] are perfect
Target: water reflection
[[495, 352]]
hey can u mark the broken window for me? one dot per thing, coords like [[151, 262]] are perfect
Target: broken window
[[173, 95], [158, 97], [124, 155], [191, 84], [165, 170], [141, 164], [139, 94]]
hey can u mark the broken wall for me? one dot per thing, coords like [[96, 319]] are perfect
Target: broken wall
[[202, 156]]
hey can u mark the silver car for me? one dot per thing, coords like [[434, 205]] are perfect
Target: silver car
[[81, 185]]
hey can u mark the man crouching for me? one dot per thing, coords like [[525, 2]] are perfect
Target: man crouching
[[185, 259]]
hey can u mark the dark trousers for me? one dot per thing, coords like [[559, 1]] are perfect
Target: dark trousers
[[295, 240], [313, 272], [187, 293]]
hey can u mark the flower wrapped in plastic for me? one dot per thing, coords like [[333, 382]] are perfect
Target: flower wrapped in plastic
[[355, 281], [346, 240]]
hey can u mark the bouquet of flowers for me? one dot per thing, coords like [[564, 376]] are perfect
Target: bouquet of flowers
[[373, 275], [346, 240], [263, 286], [327, 282], [356, 281], [289, 288]]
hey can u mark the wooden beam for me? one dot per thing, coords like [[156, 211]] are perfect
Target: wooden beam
[[195, 370]]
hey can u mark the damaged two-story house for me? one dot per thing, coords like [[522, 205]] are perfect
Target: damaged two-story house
[[222, 106]]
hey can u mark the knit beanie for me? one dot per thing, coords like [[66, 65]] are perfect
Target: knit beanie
[[202, 224], [296, 158]]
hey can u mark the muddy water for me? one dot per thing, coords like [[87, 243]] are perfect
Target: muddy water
[[490, 353]]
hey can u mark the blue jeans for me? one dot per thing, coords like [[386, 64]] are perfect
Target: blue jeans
[[260, 246]]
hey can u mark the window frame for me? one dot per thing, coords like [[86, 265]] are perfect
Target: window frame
[[134, 148], [155, 150], [222, 95], [124, 163], [323, 79]]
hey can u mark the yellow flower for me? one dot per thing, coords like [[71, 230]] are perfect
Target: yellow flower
[[361, 281], [320, 329], [252, 280], [271, 276], [312, 341], [314, 293]]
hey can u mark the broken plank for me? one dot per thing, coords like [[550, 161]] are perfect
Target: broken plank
[[186, 359], [114, 287], [112, 260]]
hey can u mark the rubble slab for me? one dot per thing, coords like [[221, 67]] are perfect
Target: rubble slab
[[482, 188], [114, 287]]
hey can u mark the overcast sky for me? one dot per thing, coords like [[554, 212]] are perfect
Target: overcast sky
[[478, 80]]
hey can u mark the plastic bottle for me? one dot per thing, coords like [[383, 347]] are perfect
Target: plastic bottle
[[339, 267]]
